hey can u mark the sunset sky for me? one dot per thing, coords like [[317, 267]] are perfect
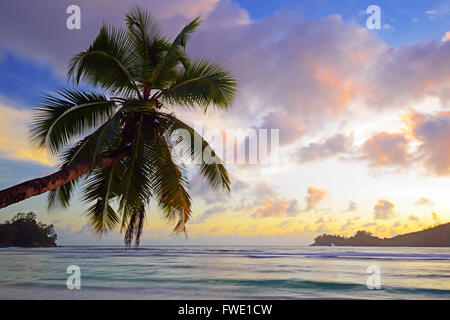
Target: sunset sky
[[364, 115]]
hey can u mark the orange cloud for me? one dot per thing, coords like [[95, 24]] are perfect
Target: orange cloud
[[386, 149], [314, 196], [277, 208], [343, 92], [446, 37]]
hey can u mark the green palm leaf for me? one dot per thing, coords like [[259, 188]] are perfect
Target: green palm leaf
[[102, 186], [110, 62], [213, 170], [169, 185], [166, 71], [61, 118], [148, 42], [202, 83]]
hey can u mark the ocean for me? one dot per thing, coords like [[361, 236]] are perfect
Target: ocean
[[225, 272]]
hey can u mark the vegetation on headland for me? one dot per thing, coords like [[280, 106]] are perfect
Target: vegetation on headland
[[438, 236], [24, 231], [118, 145]]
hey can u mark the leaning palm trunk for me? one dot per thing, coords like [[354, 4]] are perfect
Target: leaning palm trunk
[[55, 180], [125, 152]]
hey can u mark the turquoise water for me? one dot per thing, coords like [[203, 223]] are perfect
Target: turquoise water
[[219, 272]]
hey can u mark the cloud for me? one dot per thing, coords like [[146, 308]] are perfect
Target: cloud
[[44, 45], [239, 185], [381, 229], [277, 208], [201, 189], [383, 210], [413, 218], [425, 142], [410, 74], [386, 149], [291, 128], [215, 229], [441, 10], [322, 58], [424, 202], [396, 224], [446, 37], [345, 227], [432, 131], [265, 202], [352, 206], [210, 212], [436, 218], [338, 144], [321, 229], [14, 136], [314, 196], [285, 224], [271, 46], [263, 191], [369, 224], [294, 74]]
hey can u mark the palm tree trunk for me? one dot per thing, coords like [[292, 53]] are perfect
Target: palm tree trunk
[[38, 186]]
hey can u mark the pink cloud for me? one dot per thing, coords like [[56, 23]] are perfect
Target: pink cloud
[[336, 145], [433, 132], [386, 149], [277, 208], [402, 76]]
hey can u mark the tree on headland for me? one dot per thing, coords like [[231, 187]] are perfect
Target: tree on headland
[[437, 236], [23, 231], [124, 152]]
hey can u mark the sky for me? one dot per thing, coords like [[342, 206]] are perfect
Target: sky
[[363, 115]]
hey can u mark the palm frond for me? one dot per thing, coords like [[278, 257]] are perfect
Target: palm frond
[[169, 185], [101, 187], [70, 113], [135, 227], [182, 38], [110, 62], [136, 183], [212, 170], [148, 41], [202, 83], [62, 195], [166, 72]]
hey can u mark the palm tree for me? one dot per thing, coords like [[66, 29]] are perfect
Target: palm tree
[[125, 155]]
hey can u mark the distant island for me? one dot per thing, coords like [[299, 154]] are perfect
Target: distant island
[[24, 231], [438, 236]]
